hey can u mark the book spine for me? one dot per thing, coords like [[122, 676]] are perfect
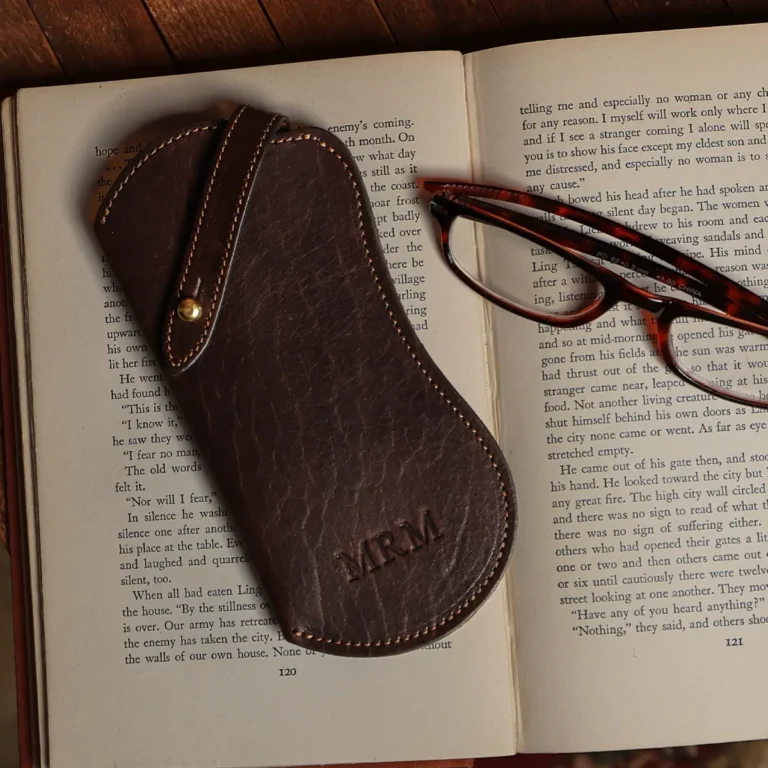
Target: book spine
[[9, 493]]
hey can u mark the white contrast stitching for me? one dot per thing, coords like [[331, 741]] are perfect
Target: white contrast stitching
[[176, 363], [138, 165]]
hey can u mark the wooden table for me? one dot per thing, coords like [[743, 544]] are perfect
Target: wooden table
[[53, 41], [44, 42]]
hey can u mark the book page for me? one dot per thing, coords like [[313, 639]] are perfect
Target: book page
[[160, 647], [639, 574]]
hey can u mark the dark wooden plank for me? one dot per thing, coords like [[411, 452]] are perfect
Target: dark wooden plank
[[330, 27], [539, 19], [26, 57], [748, 10], [94, 39], [462, 24], [203, 33], [661, 14]]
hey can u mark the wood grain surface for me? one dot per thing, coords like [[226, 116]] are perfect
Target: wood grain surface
[[200, 33], [26, 57], [426, 24], [643, 14], [539, 19], [97, 40], [330, 27], [50, 41]]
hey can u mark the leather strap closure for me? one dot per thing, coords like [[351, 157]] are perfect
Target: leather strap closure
[[200, 289]]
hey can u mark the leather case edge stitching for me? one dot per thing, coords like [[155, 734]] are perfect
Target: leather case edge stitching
[[183, 361]]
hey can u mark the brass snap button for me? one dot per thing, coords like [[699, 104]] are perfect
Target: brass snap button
[[189, 310]]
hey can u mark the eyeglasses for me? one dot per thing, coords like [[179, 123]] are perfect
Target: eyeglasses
[[722, 350]]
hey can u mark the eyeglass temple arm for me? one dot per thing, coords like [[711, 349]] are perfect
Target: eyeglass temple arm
[[600, 249], [616, 255], [438, 208], [752, 306]]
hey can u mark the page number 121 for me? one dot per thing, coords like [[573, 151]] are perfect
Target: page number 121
[[731, 641]]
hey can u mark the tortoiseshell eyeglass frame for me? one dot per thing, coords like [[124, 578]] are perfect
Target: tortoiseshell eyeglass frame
[[736, 306]]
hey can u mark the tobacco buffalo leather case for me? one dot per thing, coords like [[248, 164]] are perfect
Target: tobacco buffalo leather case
[[377, 509]]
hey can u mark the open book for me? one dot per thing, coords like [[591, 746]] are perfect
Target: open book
[[635, 611]]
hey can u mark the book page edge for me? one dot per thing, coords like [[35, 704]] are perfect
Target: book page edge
[[16, 376]]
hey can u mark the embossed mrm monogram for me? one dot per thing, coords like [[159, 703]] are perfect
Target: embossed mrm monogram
[[387, 546]]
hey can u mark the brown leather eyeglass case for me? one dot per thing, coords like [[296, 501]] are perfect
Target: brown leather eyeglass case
[[377, 509]]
